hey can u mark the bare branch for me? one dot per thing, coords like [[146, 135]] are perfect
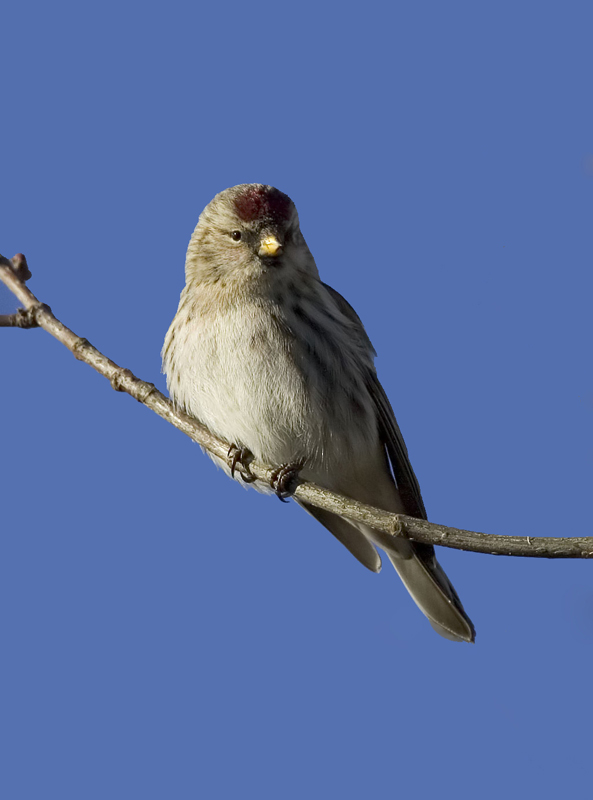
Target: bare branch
[[14, 274], [20, 319]]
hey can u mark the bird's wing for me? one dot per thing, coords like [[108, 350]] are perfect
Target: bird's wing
[[392, 438], [422, 574]]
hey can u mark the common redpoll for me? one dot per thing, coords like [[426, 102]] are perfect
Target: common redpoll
[[277, 363]]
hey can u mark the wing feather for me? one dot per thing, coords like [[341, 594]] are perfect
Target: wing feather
[[422, 574], [389, 430]]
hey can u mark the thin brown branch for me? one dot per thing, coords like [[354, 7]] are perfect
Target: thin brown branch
[[13, 275], [20, 319]]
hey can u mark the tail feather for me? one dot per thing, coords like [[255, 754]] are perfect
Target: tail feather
[[351, 537], [415, 563], [433, 593]]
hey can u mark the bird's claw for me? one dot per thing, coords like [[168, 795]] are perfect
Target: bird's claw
[[243, 457], [284, 480]]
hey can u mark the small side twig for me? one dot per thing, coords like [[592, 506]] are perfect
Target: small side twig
[[23, 317], [35, 313]]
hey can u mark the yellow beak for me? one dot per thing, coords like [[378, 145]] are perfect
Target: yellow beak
[[269, 246]]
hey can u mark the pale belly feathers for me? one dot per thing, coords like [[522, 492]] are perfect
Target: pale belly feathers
[[244, 374]]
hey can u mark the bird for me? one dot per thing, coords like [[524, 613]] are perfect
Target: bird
[[278, 364]]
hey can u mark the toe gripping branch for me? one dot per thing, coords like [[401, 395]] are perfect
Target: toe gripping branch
[[242, 457], [284, 480]]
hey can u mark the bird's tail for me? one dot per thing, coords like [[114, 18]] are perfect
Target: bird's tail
[[417, 566], [433, 592]]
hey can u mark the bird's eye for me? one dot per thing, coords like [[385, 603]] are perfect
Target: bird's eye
[[236, 236]]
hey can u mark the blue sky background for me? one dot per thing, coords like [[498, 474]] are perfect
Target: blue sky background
[[166, 634]]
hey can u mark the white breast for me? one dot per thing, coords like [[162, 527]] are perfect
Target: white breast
[[249, 379]]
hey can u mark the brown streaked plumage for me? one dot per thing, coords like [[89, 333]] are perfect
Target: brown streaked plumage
[[272, 359]]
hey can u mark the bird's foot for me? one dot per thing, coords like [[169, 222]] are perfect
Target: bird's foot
[[242, 457], [284, 480]]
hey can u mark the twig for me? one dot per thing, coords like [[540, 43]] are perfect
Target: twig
[[14, 274]]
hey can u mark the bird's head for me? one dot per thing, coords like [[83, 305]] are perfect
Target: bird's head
[[246, 232]]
